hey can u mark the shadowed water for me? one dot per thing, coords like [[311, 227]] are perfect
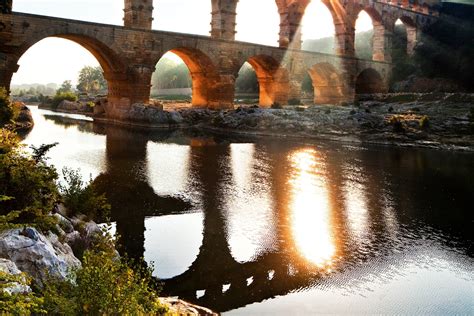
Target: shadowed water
[[282, 226]]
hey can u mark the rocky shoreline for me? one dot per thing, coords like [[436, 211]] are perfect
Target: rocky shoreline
[[438, 121], [27, 251]]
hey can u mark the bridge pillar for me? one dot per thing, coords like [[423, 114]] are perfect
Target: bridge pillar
[[412, 39], [224, 19], [290, 25], [126, 89], [345, 39], [8, 66], [138, 14], [382, 47], [222, 92]]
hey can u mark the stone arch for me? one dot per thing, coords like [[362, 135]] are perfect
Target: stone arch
[[378, 37], [369, 81], [412, 32], [327, 83], [203, 72], [106, 54], [272, 79], [113, 66]]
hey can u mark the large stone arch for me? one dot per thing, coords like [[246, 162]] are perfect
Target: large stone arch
[[272, 79], [411, 28], [204, 75], [124, 86], [369, 81], [327, 82], [381, 39], [106, 53]]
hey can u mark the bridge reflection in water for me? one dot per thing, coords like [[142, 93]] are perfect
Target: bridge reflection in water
[[280, 217]]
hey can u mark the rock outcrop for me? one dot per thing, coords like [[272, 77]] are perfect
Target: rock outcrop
[[153, 114], [9, 267], [38, 255]]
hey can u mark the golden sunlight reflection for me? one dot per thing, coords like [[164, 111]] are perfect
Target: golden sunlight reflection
[[250, 220], [310, 209]]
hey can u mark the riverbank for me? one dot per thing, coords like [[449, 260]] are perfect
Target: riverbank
[[429, 124], [439, 121]]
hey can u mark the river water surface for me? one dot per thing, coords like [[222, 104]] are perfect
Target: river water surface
[[253, 226]]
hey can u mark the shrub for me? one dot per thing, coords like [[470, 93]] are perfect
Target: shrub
[[63, 96], [21, 303], [6, 107], [81, 198], [397, 124], [30, 186], [105, 285], [425, 122]]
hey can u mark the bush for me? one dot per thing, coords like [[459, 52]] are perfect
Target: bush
[[397, 124], [18, 304], [81, 198], [6, 107], [425, 122], [105, 285], [29, 185], [63, 96]]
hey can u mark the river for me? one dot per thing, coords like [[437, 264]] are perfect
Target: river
[[272, 226]]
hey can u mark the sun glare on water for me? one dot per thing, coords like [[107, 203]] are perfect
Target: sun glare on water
[[310, 209]]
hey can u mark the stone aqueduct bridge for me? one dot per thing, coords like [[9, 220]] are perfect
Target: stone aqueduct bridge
[[128, 54]]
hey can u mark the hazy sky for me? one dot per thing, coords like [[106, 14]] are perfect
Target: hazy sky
[[56, 60]]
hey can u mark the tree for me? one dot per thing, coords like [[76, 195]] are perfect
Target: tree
[[66, 86], [91, 80]]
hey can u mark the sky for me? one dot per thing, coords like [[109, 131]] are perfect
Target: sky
[[56, 60]]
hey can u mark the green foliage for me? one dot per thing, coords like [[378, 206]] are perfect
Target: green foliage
[[447, 50], [62, 96], [65, 87], [30, 184], [8, 141], [39, 153], [307, 85], [397, 124], [34, 91], [6, 107], [81, 198], [18, 304], [91, 80], [170, 75], [425, 122], [105, 285], [247, 81]]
